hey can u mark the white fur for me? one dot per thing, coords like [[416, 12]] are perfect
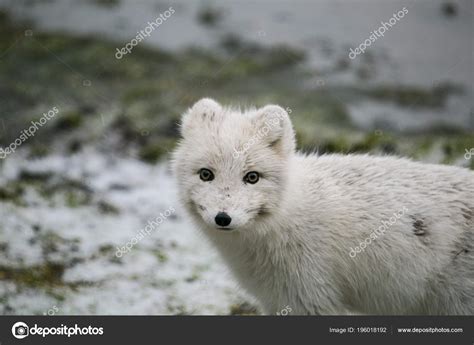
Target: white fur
[[293, 229]]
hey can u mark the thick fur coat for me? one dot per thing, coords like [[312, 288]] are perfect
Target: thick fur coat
[[328, 234]]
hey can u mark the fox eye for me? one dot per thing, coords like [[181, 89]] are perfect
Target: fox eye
[[252, 177], [206, 175]]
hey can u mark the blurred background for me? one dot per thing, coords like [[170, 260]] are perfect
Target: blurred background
[[96, 173]]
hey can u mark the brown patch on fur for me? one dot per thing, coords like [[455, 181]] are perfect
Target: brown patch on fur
[[464, 244], [465, 251], [206, 115], [277, 146], [193, 205], [261, 211], [274, 143], [419, 228], [467, 213]]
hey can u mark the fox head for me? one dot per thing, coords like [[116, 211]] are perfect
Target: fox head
[[231, 166]]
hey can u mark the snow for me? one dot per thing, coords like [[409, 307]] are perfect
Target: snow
[[171, 270]]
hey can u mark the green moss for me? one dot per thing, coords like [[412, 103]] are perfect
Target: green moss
[[145, 92], [414, 96], [348, 142], [315, 107], [34, 176], [76, 193], [4, 19], [107, 208], [209, 16], [449, 9], [258, 60], [152, 152], [232, 43], [39, 150], [107, 3], [336, 145], [373, 142], [148, 89], [13, 193], [76, 198], [125, 127], [48, 274], [443, 129], [244, 308], [192, 278], [69, 121], [455, 147], [106, 249], [74, 146], [423, 146], [142, 92], [50, 242], [161, 256]]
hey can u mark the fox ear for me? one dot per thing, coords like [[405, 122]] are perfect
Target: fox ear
[[201, 113], [274, 125]]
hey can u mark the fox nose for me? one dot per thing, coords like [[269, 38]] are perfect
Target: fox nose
[[223, 219]]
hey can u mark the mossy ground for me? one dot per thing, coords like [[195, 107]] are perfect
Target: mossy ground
[[141, 96]]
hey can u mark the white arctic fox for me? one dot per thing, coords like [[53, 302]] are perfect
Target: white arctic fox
[[327, 234]]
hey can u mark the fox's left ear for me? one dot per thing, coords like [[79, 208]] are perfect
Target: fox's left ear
[[203, 112], [274, 126]]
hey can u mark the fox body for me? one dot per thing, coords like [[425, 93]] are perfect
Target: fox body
[[328, 234]]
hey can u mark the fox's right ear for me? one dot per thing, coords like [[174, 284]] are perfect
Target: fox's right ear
[[203, 112], [273, 121]]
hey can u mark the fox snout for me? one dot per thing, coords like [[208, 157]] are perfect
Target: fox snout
[[223, 219]]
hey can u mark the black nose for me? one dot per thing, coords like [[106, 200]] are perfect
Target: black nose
[[223, 219]]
